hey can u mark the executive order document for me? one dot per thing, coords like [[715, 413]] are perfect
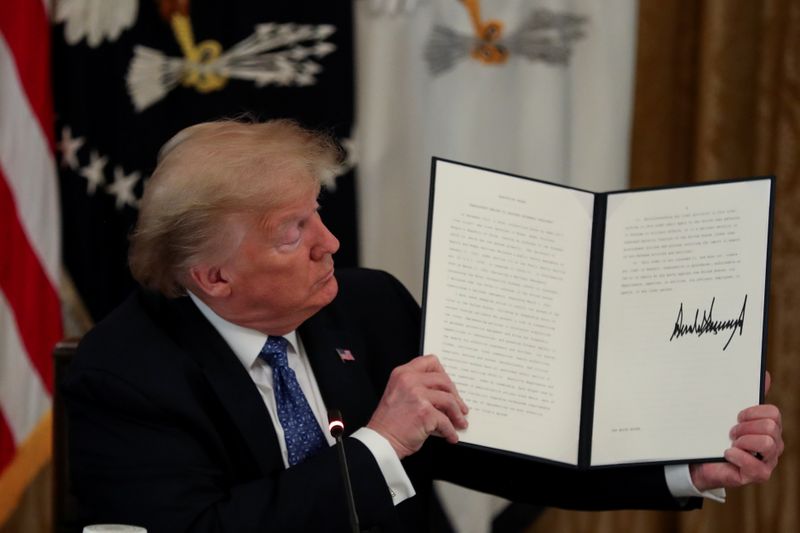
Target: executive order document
[[597, 329]]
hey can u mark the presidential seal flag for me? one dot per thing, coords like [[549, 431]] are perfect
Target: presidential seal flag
[[129, 74], [539, 88], [30, 315]]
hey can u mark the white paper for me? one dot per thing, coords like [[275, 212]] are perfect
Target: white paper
[[506, 306], [668, 386]]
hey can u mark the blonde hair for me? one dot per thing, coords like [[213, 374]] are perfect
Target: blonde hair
[[210, 171]]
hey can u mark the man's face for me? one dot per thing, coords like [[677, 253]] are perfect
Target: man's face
[[281, 273]]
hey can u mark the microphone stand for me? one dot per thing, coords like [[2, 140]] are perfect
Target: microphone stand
[[336, 428]]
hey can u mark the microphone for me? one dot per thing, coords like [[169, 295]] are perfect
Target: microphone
[[336, 428]]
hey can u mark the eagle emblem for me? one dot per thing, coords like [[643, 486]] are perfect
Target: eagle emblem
[[545, 36], [277, 54]]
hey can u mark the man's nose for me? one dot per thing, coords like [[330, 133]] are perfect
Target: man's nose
[[328, 243]]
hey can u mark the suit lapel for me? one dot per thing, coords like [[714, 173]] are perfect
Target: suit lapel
[[232, 384], [344, 384]]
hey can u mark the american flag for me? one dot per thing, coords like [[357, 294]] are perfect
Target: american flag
[[30, 317], [345, 354]]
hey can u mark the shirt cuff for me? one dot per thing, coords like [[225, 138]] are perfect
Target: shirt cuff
[[397, 481], [679, 482]]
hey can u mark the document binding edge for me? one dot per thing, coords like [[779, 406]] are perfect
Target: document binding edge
[[592, 326]]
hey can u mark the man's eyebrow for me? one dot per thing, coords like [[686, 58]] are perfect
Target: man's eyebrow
[[293, 218]]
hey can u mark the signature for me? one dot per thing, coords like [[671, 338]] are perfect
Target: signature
[[707, 324]]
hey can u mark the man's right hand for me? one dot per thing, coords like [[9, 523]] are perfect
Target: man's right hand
[[420, 400]]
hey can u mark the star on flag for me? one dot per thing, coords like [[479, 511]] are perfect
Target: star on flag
[[123, 186], [93, 172], [69, 146]]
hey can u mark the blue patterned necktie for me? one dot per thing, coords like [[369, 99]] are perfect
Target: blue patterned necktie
[[300, 427]]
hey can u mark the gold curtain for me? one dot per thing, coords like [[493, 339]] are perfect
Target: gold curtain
[[718, 96]]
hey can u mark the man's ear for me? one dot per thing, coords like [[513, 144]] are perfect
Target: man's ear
[[210, 280]]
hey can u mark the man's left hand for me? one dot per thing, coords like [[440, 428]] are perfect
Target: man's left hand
[[757, 443]]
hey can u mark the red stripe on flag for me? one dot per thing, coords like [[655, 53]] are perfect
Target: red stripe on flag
[[26, 29], [7, 446], [32, 298]]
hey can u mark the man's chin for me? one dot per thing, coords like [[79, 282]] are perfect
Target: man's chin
[[328, 289]]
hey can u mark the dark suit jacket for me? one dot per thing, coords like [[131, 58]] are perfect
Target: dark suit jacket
[[168, 431]]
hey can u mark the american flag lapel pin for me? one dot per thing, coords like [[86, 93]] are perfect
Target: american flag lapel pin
[[345, 354]]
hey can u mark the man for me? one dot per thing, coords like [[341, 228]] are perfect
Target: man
[[199, 404]]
